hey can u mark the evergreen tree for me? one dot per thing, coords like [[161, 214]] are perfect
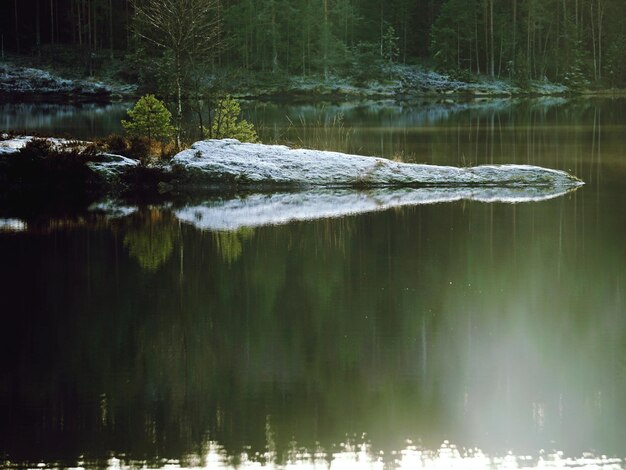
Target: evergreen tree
[[227, 123], [187, 29], [150, 119]]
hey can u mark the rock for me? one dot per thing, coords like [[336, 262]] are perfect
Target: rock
[[229, 162], [111, 166], [227, 165], [108, 165]]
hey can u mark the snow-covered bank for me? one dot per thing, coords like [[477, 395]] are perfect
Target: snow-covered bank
[[280, 208], [107, 165], [27, 84], [231, 166], [228, 162], [401, 83]]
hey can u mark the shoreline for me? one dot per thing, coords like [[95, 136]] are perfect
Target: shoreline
[[408, 83], [59, 168]]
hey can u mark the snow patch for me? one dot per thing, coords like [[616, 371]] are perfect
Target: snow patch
[[20, 81], [108, 165], [111, 165], [229, 161]]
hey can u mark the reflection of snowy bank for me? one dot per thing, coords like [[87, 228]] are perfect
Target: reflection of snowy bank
[[12, 225], [281, 208]]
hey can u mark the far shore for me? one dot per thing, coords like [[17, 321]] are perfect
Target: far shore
[[28, 84]]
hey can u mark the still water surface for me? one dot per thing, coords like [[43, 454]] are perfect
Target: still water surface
[[454, 335]]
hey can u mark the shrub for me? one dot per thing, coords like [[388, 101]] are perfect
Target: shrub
[[150, 119], [114, 143], [227, 124], [138, 148]]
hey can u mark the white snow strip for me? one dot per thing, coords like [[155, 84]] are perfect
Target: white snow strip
[[229, 160], [111, 165]]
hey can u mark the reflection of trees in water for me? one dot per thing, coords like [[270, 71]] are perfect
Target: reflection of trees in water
[[385, 322], [151, 239], [230, 244]]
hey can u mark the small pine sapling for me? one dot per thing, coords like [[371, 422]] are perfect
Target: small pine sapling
[[227, 124], [149, 119]]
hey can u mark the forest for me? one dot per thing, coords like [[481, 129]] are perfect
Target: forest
[[576, 42]]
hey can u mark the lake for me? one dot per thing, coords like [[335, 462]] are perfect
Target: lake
[[461, 334]]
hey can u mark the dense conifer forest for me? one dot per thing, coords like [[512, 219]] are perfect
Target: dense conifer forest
[[577, 42]]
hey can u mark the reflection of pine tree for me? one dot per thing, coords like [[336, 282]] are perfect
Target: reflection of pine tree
[[152, 242], [230, 244]]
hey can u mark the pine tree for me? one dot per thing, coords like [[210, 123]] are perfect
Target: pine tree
[[149, 118], [226, 122]]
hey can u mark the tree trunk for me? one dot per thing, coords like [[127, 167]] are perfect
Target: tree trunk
[[493, 72], [486, 32], [477, 45], [179, 98], [274, 45], [381, 29], [95, 27], [593, 43], [458, 47], [200, 122], [514, 52], [17, 30], [601, 7], [111, 28], [127, 26], [79, 23], [528, 53], [38, 29], [500, 54], [404, 27], [51, 21]]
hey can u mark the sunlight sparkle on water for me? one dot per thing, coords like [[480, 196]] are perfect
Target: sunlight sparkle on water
[[360, 456]]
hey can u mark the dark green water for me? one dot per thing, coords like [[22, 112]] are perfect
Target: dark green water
[[497, 326]]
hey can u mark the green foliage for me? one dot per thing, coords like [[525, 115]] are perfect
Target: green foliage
[[453, 27], [149, 118], [226, 123], [615, 64], [287, 37], [520, 71], [460, 75], [366, 63], [391, 49], [576, 78]]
